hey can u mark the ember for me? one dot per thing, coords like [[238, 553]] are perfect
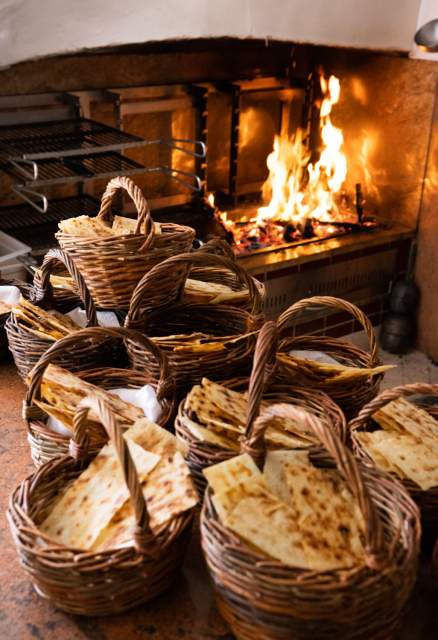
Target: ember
[[301, 199]]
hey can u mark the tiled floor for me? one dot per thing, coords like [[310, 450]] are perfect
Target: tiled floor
[[412, 367]]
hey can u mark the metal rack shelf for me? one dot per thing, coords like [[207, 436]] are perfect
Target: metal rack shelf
[[37, 229], [65, 170], [62, 138]]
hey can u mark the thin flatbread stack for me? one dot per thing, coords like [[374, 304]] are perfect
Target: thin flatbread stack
[[61, 392], [96, 228], [96, 513], [212, 293], [406, 444], [217, 415], [44, 324], [293, 512], [333, 374]]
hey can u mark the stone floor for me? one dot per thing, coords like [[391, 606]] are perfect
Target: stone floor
[[411, 367], [187, 611]]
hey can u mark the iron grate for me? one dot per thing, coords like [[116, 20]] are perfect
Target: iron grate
[[38, 229], [53, 171], [62, 138], [23, 215]]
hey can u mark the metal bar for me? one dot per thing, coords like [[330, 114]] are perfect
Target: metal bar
[[25, 194], [234, 140], [201, 130], [172, 143], [175, 173], [28, 175]]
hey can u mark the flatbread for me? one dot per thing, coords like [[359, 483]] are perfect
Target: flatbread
[[63, 391], [94, 497], [224, 475], [206, 435], [417, 461], [404, 417], [335, 374], [298, 514], [85, 226]]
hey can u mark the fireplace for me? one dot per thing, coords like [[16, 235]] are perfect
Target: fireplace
[[280, 149]]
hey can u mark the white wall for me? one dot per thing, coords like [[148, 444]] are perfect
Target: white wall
[[32, 28]]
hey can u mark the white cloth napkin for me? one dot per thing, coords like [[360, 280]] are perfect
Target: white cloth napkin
[[144, 398], [104, 318], [316, 356], [10, 294]]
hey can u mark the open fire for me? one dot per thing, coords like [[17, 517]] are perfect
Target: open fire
[[301, 199]]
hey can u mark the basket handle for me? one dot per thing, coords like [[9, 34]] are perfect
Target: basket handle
[[420, 388], [136, 195], [345, 462], [264, 355], [98, 335], [291, 314], [144, 539], [161, 271], [42, 290], [218, 246]]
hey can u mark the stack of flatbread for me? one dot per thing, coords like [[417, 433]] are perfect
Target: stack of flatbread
[[61, 392], [95, 512], [293, 512], [406, 444], [333, 374], [217, 415], [201, 292], [96, 228], [198, 342], [49, 325]]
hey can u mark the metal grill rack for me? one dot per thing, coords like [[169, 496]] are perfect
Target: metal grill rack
[[36, 228], [69, 169], [62, 138]]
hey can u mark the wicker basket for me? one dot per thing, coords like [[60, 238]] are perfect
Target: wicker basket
[[262, 598], [216, 321], [426, 500], [112, 266], [26, 347], [88, 583], [351, 396], [261, 385], [45, 444]]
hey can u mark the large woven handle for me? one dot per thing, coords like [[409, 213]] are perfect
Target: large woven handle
[[337, 304], [136, 195], [264, 357], [144, 539], [219, 247], [418, 388], [161, 272], [345, 462], [42, 290], [97, 335]]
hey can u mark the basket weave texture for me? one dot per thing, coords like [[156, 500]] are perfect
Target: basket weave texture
[[261, 386], [112, 266], [262, 599], [45, 444], [88, 583], [426, 500], [25, 346], [175, 318], [352, 395]]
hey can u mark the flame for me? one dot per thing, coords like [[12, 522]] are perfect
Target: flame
[[210, 200], [296, 189]]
